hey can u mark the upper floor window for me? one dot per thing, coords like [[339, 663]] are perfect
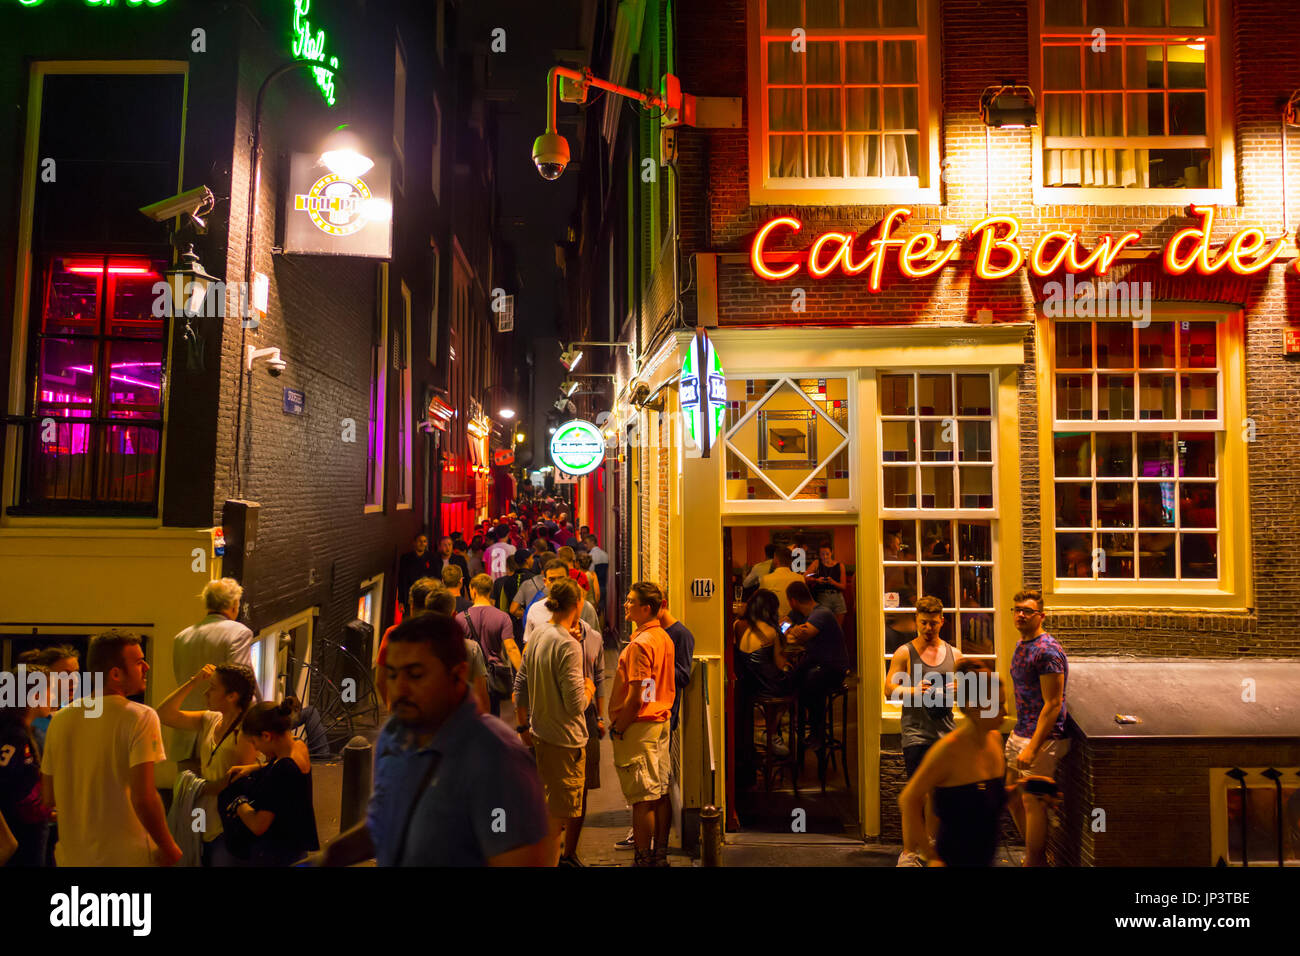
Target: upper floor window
[[843, 101], [1132, 100]]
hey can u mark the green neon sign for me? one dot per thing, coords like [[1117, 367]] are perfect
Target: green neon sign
[[104, 3], [309, 45], [577, 447]]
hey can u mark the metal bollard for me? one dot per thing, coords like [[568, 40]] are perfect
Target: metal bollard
[[710, 836], [358, 763]]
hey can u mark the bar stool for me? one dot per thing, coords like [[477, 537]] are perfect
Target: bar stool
[[833, 743], [773, 709]]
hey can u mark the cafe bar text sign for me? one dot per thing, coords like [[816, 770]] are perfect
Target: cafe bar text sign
[[331, 215], [999, 256], [577, 447]]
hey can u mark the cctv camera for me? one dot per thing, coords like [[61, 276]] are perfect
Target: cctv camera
[[276, 367], [188, 202], [274, 364], [551, 154]]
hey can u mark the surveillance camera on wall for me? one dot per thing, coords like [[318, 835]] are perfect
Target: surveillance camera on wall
[[274, 363], [186, 203]]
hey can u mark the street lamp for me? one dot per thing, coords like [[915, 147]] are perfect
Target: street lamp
[[507, 411]]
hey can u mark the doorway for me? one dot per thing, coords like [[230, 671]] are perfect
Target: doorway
[[778, 779]]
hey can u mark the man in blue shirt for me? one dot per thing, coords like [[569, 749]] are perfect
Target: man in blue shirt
[[453, 787], [825, 661]]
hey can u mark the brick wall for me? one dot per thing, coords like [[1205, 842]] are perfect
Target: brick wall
[[1156, 798]]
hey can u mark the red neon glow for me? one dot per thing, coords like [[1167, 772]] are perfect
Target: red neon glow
[[841, 255], [881, 244], [1246, 244], [919, 248], [113, 270], [989, 241], [1099, 260], [756, 250]]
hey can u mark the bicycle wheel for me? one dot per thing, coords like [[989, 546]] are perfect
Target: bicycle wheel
[[334, 714]]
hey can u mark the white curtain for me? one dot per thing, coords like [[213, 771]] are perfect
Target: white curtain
[[1093, 114]]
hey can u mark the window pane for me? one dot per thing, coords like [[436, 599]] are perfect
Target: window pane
[[1187, 13], [900, 628], [899, 441], [72, 297], [1062, 68], [1073, 454], [824, 110], [1115, 454], [1114, 345], [976, 634], [976, 586], [861, 13], [900, 107], [1197, 347], [135, 380], [976, 486], [1196, 454], [936, 487], [899, 61], [935, 395], [1104, 114], [1073, 555], [1145, 65], [900, 540], [133, 299], [862, 109], [976, 441], [1073, 504], [864, 154], [1104, 69], [823, 62], [936, 541], [1156, 555], [937, 582], [784, 13], [1115, 397], [1178, 167], [861, 64], [1156, 504], [900, 155], [973, 395], [823, 13], [899, 13], [937, 441], [899, 486], [1146, 114], [785, 155], [975, 541], [1118, 550], [1107, 13], [1157, 396], [1065, 13], [1200, 398], [1073, 397], [1200, 558], [896, 395], [825, 156], [1155, 454], [1114, 504], [1074, 345], [1187, 114], [65, 385], [1196, 509], [1186, 67], [1156, 346], [783, 64], [1146, 13], [785, 110]]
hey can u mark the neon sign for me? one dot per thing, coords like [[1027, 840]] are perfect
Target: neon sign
[[999, 256], [104, 3], [703, 393], [311, 46], [578, 447]]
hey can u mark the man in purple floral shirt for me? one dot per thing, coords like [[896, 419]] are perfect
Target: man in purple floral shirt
[[1039, 670]]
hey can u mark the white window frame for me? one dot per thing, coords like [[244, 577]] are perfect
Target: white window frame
[[923, 188], [791, 504], [1220, 118], [270, 652], [405, 447], [380, 359], [1220, 785]]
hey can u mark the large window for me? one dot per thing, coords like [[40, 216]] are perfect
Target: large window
[[1131, 98], [937, 459], [378, 404], [405, 408], [1136, 445], [841, 93]]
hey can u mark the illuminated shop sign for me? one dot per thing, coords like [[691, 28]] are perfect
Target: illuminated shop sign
[[999, 256], [703, 393], [332, 215], [103, 3], [577, 447], [310, 45]]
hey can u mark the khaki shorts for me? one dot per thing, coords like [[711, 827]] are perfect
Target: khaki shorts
[[1044, 765], [642, 760], [563, 774]]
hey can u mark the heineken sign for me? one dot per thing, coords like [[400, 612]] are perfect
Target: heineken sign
[[577, 447], [703, 393]]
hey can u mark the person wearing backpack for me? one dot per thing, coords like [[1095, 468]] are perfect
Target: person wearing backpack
[[494, 631]]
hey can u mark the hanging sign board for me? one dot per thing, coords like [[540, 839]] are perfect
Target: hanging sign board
[[703, 393], [577, 448], [331, 215]]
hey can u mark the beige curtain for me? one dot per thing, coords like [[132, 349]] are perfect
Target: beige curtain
[[1093, 114]]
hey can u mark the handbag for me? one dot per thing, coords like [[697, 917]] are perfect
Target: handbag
[[500, 673]]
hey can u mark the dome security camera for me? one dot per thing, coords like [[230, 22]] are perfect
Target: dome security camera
[[551, 154]]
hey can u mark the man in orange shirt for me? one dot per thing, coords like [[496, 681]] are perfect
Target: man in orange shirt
[[640, 706]]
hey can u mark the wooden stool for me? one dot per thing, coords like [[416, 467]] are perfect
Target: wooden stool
[[773, 709]]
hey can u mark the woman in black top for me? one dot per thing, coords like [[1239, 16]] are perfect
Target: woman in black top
[[965, 772], [826, 580], [269, 817]]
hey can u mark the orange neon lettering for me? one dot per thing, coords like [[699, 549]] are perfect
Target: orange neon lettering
[[1103, 257], [881, 243], [927, 244], [1238, 251], [814, 267], [756, 250], [1176, 265], [989, 241], [1067, 249]]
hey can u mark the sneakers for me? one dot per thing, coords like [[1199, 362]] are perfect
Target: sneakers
[[908, 858], [627, 843], [570, 861]]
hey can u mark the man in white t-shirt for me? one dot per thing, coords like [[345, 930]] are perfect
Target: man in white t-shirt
[[494, 558], [98, 767]]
